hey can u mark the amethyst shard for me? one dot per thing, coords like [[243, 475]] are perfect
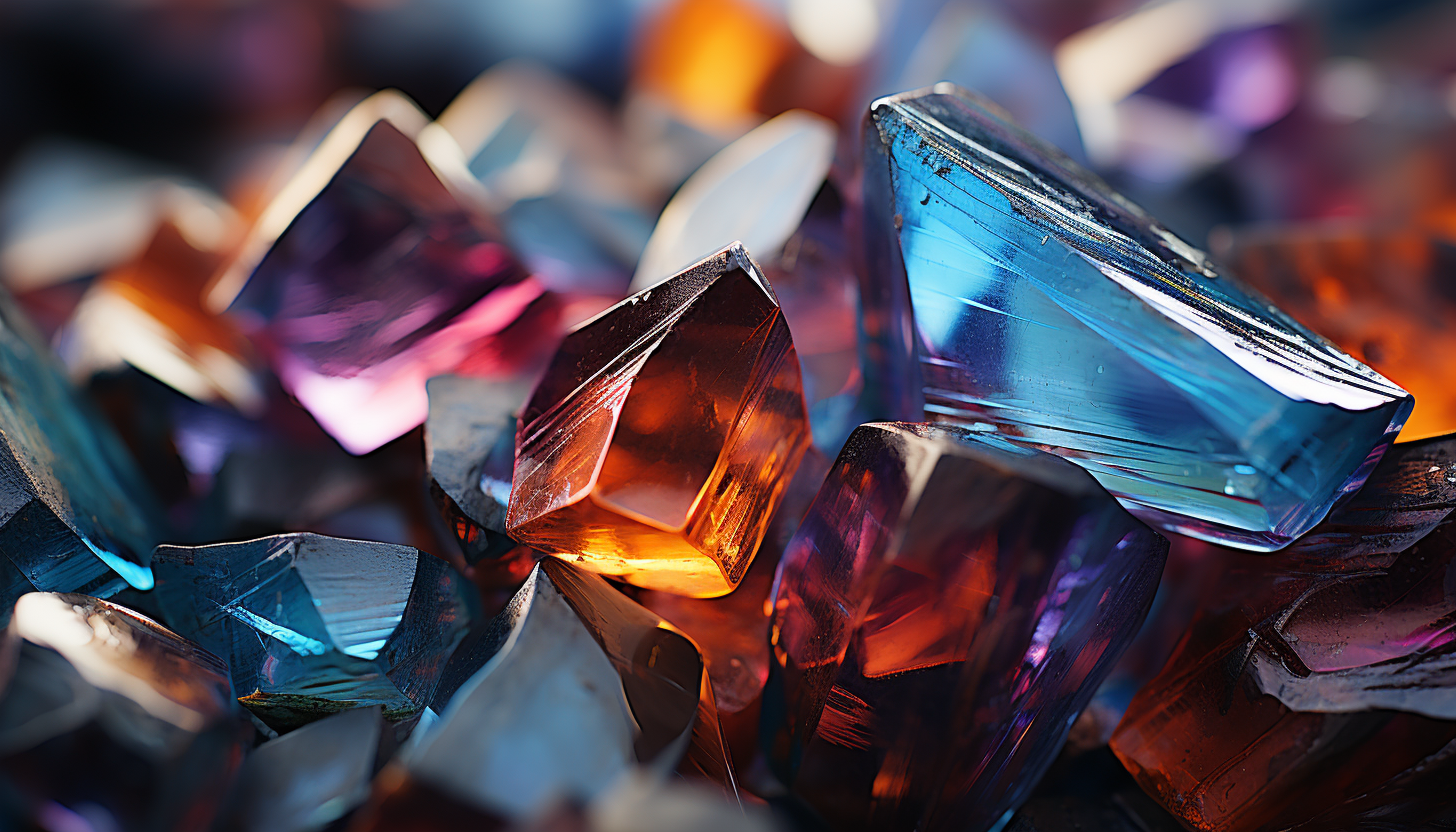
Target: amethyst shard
[[576, 685], [470, 448], [75, 513], [311, 625], [1049, 307], [105, 714], [948, 606]]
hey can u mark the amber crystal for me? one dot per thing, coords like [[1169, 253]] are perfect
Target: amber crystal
[[1313, 690], [661, 438]]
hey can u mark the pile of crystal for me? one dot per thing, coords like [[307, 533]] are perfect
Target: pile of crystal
[[311, 625], [1316, 688], [948, 606], [663, 432], [108, 716], [1040, 303]]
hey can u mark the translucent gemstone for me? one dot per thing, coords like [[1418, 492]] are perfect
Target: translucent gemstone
[[373, 270], [1051, 308], [78, 516], [1313, 689], [1384, 297], [576, 686], [109, 716], [662, 435], [771, 191], [470, 450], [948, 606], [310, 625]]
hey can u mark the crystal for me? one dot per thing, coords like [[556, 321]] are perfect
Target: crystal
[[1384, 297], [470, 450], [78, 516], [771, 190], [662, 435], [108, 715], [311, 625], [373, 270], [949, 604], [1312, 689], [576, 685], [1091, 791], [1052, 309], [307, 778]]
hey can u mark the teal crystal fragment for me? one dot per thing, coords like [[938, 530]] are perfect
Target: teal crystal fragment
[[1049, 309], [311, 625], [75, 513]]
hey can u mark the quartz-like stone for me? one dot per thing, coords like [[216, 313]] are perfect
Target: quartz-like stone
[[77, 514], [310, 625], [107, 715], [576, 685], [661, 437], [374, 269], [1384, 297], [470, 449], [1314, 688], [949, 604], [1051, 308]]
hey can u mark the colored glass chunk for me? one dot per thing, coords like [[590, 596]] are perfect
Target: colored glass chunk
[[1386, 298], [576, 684], [311, 625], [661, 438], [1050, 307], [1313, 689], [372, 271], [78, 516], [949, 604], [107, 715]]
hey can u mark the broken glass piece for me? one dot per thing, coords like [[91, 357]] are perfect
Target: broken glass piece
[[1051, 308], [949, 605], [311, 625], [661, 437]]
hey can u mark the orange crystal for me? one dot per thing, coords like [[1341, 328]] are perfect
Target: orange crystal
[[660, 440]]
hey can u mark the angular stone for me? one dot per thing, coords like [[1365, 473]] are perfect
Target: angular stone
[[470, 450], [950, 603], [374, 270], [576, 685], [1048, 306], [662, 435], [1314, 688], [107, 715], [77, 514], [311, 625], [1384, 297]]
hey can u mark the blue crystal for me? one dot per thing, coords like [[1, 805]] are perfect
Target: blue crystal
[[1048, 308], [77, 515], [310, 625]]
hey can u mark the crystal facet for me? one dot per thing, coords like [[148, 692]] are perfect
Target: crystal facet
[[662, 435], [1050, 307], [1314, 688], [108, 715], [311, 625], [949, 604]]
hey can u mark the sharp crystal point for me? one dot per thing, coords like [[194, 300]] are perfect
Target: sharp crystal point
[[1048, 306], [311, 625], [949, 604], [662, 435]]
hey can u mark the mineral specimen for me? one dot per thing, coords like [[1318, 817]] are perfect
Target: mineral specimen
[[1314, 688], [373, 270], [107, 715], [949, 604], [310, 625], [663, 433], [1051, 308]]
